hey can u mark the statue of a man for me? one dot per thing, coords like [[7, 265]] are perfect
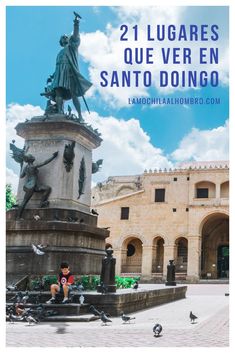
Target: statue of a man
[[31, 185], [67, 82]]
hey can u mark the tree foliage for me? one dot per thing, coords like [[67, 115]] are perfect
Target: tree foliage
[[10, 197]]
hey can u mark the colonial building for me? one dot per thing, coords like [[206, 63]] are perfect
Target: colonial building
[[180, 214]]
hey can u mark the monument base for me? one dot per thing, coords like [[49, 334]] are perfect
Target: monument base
[[66, 235], [171, 283], [109, 288]]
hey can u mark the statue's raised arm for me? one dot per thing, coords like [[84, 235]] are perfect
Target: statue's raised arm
[[76, 26]]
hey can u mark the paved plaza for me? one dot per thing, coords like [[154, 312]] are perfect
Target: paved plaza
[[207, 301]]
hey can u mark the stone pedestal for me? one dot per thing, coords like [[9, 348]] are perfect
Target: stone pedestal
[[67, 228], [43, 136]]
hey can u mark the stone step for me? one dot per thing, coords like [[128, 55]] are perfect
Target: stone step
[[45, 296], [62, 309]]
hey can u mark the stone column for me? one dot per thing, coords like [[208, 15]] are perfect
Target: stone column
[[194, 258], [169, 254], [217, 191], [147, 258], [118, 256]]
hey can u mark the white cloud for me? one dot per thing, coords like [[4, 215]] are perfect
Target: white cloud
[[16, 113], [104, 50], [204, 145], [126, 147]]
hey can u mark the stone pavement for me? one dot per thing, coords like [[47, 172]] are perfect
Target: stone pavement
[[208, 302]]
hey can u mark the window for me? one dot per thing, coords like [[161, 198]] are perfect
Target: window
[[130, 250], [188, 178], [202, 193], [159, 195], [175, 179], [186, 209], [174, 209], [124, 212]]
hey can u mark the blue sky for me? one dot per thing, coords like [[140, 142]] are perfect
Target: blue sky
[[32, 46]]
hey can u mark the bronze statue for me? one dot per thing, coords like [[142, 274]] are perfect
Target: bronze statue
[[31, 185], [107, 277], [67, 82], [68, 156], [170, 279], [96, 166]]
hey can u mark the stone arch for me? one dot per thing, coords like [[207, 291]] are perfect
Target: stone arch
[[122, 238], [199, 186], [224, 189], [124, 190], [158, 254], [214, 230], [131, 260], [181, 254]]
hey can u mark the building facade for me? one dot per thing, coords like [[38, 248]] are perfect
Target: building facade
[[180, 214]]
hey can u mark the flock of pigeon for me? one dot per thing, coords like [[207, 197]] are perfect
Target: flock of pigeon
[[17, 311], [105, 318]]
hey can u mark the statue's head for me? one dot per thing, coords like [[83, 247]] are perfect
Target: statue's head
[[64, 39], [29, 158]]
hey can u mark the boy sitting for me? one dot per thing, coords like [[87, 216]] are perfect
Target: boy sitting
[[65, 280]]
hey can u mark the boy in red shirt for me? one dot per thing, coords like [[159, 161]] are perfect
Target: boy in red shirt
[[65, 280]]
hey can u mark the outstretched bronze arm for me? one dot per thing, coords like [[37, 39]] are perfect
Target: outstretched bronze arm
[[55, 154], [76, 27]]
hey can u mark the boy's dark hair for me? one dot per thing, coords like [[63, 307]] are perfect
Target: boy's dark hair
[[64, 264]]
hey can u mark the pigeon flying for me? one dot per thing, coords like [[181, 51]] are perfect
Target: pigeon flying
[[192, 317], [37, 250], [157, 329]]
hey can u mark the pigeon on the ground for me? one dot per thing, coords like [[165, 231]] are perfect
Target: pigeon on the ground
[[94, 310], [136, 285], [126, 318], [157, 329], [192, 317], [104, 318], [37, 250], [31, 319]]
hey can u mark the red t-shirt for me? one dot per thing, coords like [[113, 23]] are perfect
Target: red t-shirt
[[66, 279]]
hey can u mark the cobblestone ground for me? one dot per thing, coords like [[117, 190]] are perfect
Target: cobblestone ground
[[208, 302]]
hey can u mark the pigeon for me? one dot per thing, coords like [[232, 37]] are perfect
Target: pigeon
[[103, 288], [76, 15], [192, 317], [81, 220], [25, 298], [136, 285], [37, 250], [81, 299], [104, 318], [94, 310], [126, 318], [13, 318], [157, 329], [17, 298], [36, 217], [12, 287], [106, 228], [31, 319], [94, 212]]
